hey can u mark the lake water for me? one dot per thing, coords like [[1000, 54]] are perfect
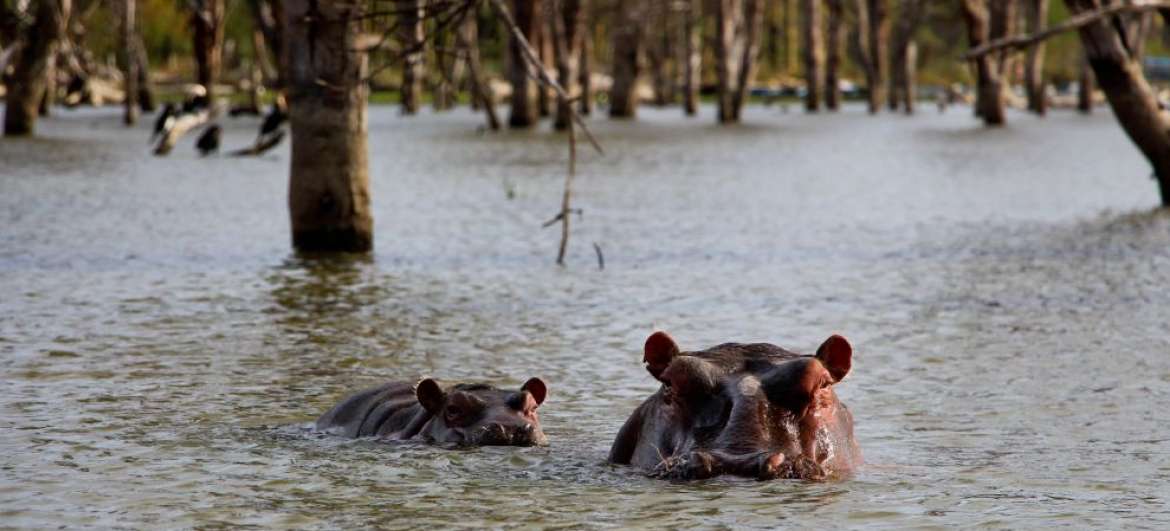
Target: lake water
[[1006, 291]]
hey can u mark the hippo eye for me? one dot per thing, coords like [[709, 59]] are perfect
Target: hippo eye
[[454, 411]]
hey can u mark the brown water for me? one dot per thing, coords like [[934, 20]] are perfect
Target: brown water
[[1006, 293]]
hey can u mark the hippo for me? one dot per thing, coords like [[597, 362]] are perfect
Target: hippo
[[464, 414], [753, 410]]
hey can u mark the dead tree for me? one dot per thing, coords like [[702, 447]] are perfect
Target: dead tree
[[909, 77], [627, 42], [738, 24], [128, 56], [1086, 89], [567, 40], [266, 17], [207, 34], [468, 37], [329, 185], [814, 53], [585, 73], [909, 16], [834, 45], [692, 55], [26, 86], [146, 99], [1118, 73], [413, 37], [524, 111], [874, 34], [1036, 15], [989, 101]]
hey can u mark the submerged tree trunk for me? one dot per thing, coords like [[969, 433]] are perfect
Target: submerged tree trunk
[[26, 86], [585, 73], [413, 39], [1119, 74], [469, 44], [989, 103], [623, 96], [1037, 18], [907, 24], [659, 52], [1085, 91], [738, 24], [146, 100], [909, 77], [524, 112], [568, 54], [877, 64], [207, 32], [692, 56], [814, 53], [835, 43], [128, 56], [329, 186]]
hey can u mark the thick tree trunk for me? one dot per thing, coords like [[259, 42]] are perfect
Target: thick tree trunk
[[413, 37], [524, 112], [1037, 19], [1085, 91], [1003, 24], [877, 63], [585, 74], [128, 56], [568, 52], [835, 44], [753, 23], [26, 86], [692, 56], [1120, 76], [329, 185], [989, 103], [814, 53], [207, 32], [469, 43], [623, 96]]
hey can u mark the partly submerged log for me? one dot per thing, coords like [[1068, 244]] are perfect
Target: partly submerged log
[[262, 145]]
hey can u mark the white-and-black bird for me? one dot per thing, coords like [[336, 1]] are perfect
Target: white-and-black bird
[[197, 99], [208, 142], [164, 122]]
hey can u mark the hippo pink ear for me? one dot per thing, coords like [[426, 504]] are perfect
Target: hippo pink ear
[[536, 388], [660, 349], [431, 396], [837, 356]]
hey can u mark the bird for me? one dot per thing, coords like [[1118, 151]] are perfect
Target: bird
[[275, 118], [197, 99], [164, 122], [208, 142]]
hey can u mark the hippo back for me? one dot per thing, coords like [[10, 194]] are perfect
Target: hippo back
[[390, 410]]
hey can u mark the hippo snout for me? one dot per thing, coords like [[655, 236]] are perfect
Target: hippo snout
[[501, 435]]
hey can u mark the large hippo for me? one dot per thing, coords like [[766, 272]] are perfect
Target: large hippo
[[753, 410], [462, 414]]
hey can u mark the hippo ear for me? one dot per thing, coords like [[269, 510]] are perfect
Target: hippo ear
[[536, 388], [837, 356], [660, 349], [431, 396]]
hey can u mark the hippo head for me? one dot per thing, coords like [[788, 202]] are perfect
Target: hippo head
[[482, 415], [751, 410]]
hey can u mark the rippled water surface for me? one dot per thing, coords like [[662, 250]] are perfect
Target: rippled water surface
[[161, 348]]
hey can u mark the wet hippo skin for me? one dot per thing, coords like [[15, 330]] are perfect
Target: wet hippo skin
[[464, 414], [752, 410]]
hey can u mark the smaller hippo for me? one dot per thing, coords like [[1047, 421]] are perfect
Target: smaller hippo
[[468, 414], [753, 410]]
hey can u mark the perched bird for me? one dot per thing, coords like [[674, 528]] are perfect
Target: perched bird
[[275, 118], [197, 99], [164, 122], [208, 142]]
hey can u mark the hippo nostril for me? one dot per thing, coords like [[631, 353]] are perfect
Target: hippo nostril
[[526, 429]]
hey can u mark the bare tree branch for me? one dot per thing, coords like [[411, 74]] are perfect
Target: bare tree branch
[[1072, 23]]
